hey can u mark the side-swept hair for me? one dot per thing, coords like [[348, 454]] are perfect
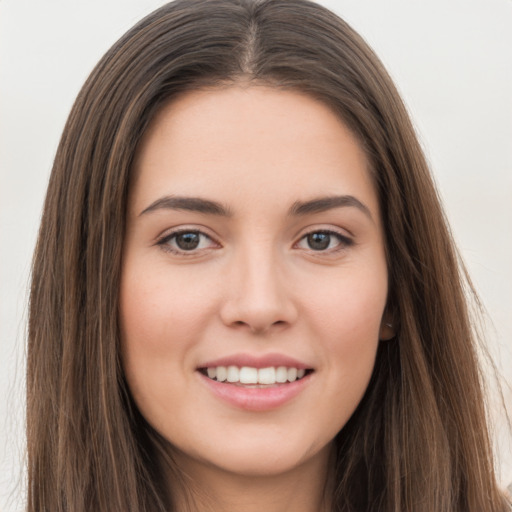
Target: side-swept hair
[[417, 442]]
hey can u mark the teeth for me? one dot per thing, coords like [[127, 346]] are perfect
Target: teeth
[[249, 375], [233, 374], [281, 374], [267, 375], [222, 373]]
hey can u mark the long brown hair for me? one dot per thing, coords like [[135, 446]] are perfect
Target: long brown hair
[[417, 442]]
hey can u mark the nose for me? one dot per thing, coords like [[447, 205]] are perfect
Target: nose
[[258, 294]]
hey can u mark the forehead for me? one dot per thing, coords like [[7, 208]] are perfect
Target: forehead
[[278, 143]]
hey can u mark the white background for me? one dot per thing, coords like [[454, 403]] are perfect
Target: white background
[[451, 59]]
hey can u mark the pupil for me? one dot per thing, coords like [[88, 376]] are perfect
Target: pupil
[[319, 241], [187, 241]]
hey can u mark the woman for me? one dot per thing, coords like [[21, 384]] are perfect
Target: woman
[[245, 295]]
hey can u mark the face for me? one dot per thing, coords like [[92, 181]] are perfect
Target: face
[[254, 279]]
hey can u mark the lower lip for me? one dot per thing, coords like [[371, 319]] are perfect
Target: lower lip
[[256, 399]]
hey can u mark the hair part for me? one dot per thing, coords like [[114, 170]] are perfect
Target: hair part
[[417, 442]]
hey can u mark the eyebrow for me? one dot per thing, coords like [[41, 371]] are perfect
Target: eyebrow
[[191, 204], [299, 208], [323, 204]]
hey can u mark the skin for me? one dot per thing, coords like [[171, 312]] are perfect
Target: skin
[[254, 285]]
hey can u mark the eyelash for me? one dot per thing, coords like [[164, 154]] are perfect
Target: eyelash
[[343, 241], [164, 242]]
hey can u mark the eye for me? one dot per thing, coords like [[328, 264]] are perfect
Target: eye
[[186, 241], [324, 241]]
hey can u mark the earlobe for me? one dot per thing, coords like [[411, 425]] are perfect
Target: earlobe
[[387, 329]]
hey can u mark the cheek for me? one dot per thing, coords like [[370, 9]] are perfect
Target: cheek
[[142, 308], [152, 340], [143, 334], [159, 329], [156, 315], [352, 305], [346, 315]]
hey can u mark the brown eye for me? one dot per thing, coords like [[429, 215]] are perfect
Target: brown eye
[[324, 241], [188, 241], [319, 241], [185, 241]]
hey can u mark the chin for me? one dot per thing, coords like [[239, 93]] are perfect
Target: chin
[[256, 457]]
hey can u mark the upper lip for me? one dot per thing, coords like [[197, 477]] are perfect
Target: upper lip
[[259, 361]]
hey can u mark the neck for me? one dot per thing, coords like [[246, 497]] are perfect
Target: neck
[[206, 489]]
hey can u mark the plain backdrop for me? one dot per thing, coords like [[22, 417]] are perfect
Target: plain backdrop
[[451, 60]]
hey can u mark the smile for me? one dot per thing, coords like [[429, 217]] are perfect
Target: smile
[[256, 383], [257, 376]]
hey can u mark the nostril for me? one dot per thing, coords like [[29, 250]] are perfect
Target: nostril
[[258, 328]]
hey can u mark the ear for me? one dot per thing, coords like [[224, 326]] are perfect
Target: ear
[[387, 329]]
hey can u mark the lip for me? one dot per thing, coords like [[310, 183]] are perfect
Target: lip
[[262, 361], [256, 399]]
